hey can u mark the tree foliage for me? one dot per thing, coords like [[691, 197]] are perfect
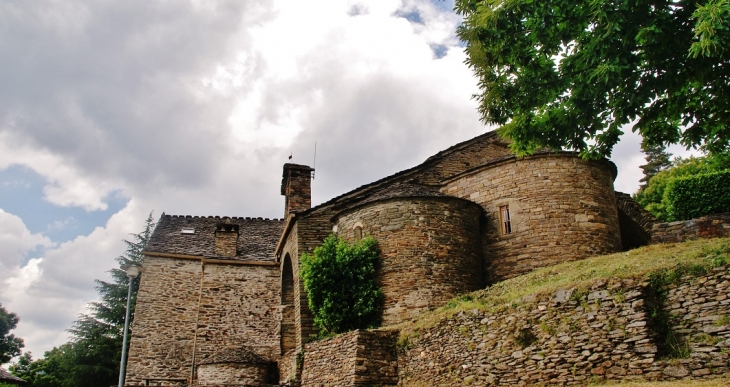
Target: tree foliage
[[9, 344], [657, 160], [340, 280], [570, 74], [92, 356], [654, 196], [699, 195]]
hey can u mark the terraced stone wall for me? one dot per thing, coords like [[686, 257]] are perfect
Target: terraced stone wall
[[574, 337], [711, 226], [562, 208]]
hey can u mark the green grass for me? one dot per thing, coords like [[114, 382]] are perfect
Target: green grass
[[636, 264]]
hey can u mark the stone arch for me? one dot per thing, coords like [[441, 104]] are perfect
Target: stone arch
[[288, 316]]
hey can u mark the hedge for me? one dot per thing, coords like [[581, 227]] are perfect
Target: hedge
[[700, 195]]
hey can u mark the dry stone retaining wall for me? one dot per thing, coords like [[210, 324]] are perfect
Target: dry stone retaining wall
[[699, 311], [573, 338], [357, 358], [563, 208], [711, 226]]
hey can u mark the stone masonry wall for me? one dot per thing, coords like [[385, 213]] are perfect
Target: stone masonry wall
[[565, 339], [331, 362], [711, 226], [161, 344], [232, 374], [574, 337], [464, 157], [357, 358], [563, 208], [699, 310], [429, 251], [239, 305]]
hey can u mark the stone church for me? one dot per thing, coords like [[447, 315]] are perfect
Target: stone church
[[221, 303]]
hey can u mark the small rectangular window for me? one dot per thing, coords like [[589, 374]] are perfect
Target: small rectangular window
[[187, 231], [505, 220]]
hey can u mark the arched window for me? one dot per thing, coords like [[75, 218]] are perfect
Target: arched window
[[358, 233]]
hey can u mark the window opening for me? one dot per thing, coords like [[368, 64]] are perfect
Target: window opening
[[505, 220], [358, 233]]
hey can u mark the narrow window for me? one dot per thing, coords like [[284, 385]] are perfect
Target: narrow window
[[505, 220], [358, 233]]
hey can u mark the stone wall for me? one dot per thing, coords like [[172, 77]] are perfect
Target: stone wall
[[462, 157], [711, 226], [699, 311], [239, 306], [177, 315], [575, 337], [163, 331], [429, 250], [357, 358], [232, 374], [563, 208]]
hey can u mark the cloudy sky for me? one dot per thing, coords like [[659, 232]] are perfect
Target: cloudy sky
[[112, 109]]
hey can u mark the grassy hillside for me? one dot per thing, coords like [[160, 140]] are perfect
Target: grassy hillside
[[670, 260], [654, 264]]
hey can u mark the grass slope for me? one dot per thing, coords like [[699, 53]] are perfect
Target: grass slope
[[639, 264]]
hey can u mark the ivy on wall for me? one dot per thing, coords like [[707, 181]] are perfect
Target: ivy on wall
[[696, 196], [340, 280]]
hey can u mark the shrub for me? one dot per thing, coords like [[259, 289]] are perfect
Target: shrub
[[340, 280], [695, 196], [653, 197]]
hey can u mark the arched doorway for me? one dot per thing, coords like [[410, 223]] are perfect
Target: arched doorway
[[288, 326]]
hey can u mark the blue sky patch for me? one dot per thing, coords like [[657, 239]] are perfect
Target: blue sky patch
[[21, 194]]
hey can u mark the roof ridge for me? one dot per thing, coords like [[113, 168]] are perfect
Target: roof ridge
[[222, 217]]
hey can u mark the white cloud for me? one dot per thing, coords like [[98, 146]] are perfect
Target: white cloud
[[16, 242]]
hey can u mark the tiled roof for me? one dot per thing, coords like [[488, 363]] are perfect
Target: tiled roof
[[397, 190], [7, 377], [234, 355], [365, 190], [257, 237]]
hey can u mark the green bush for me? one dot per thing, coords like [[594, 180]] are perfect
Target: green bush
[[692, 197], [340, 280], [653, 197]]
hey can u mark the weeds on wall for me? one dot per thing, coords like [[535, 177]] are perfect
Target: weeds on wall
[[340, 280]]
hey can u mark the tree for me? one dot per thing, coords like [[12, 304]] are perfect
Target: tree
[[97, 337], [91, 358], [341, 285], [570, 74], [50, 371], [654, 198], [657, 160], [9, 344]]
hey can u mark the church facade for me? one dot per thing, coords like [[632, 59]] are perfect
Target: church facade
[[221, 303]]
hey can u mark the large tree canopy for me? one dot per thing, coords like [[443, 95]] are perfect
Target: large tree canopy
[[569, 74], [9, 344]]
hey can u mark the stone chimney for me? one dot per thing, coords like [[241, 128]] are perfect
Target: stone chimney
[[226, 238], [296, 186]]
